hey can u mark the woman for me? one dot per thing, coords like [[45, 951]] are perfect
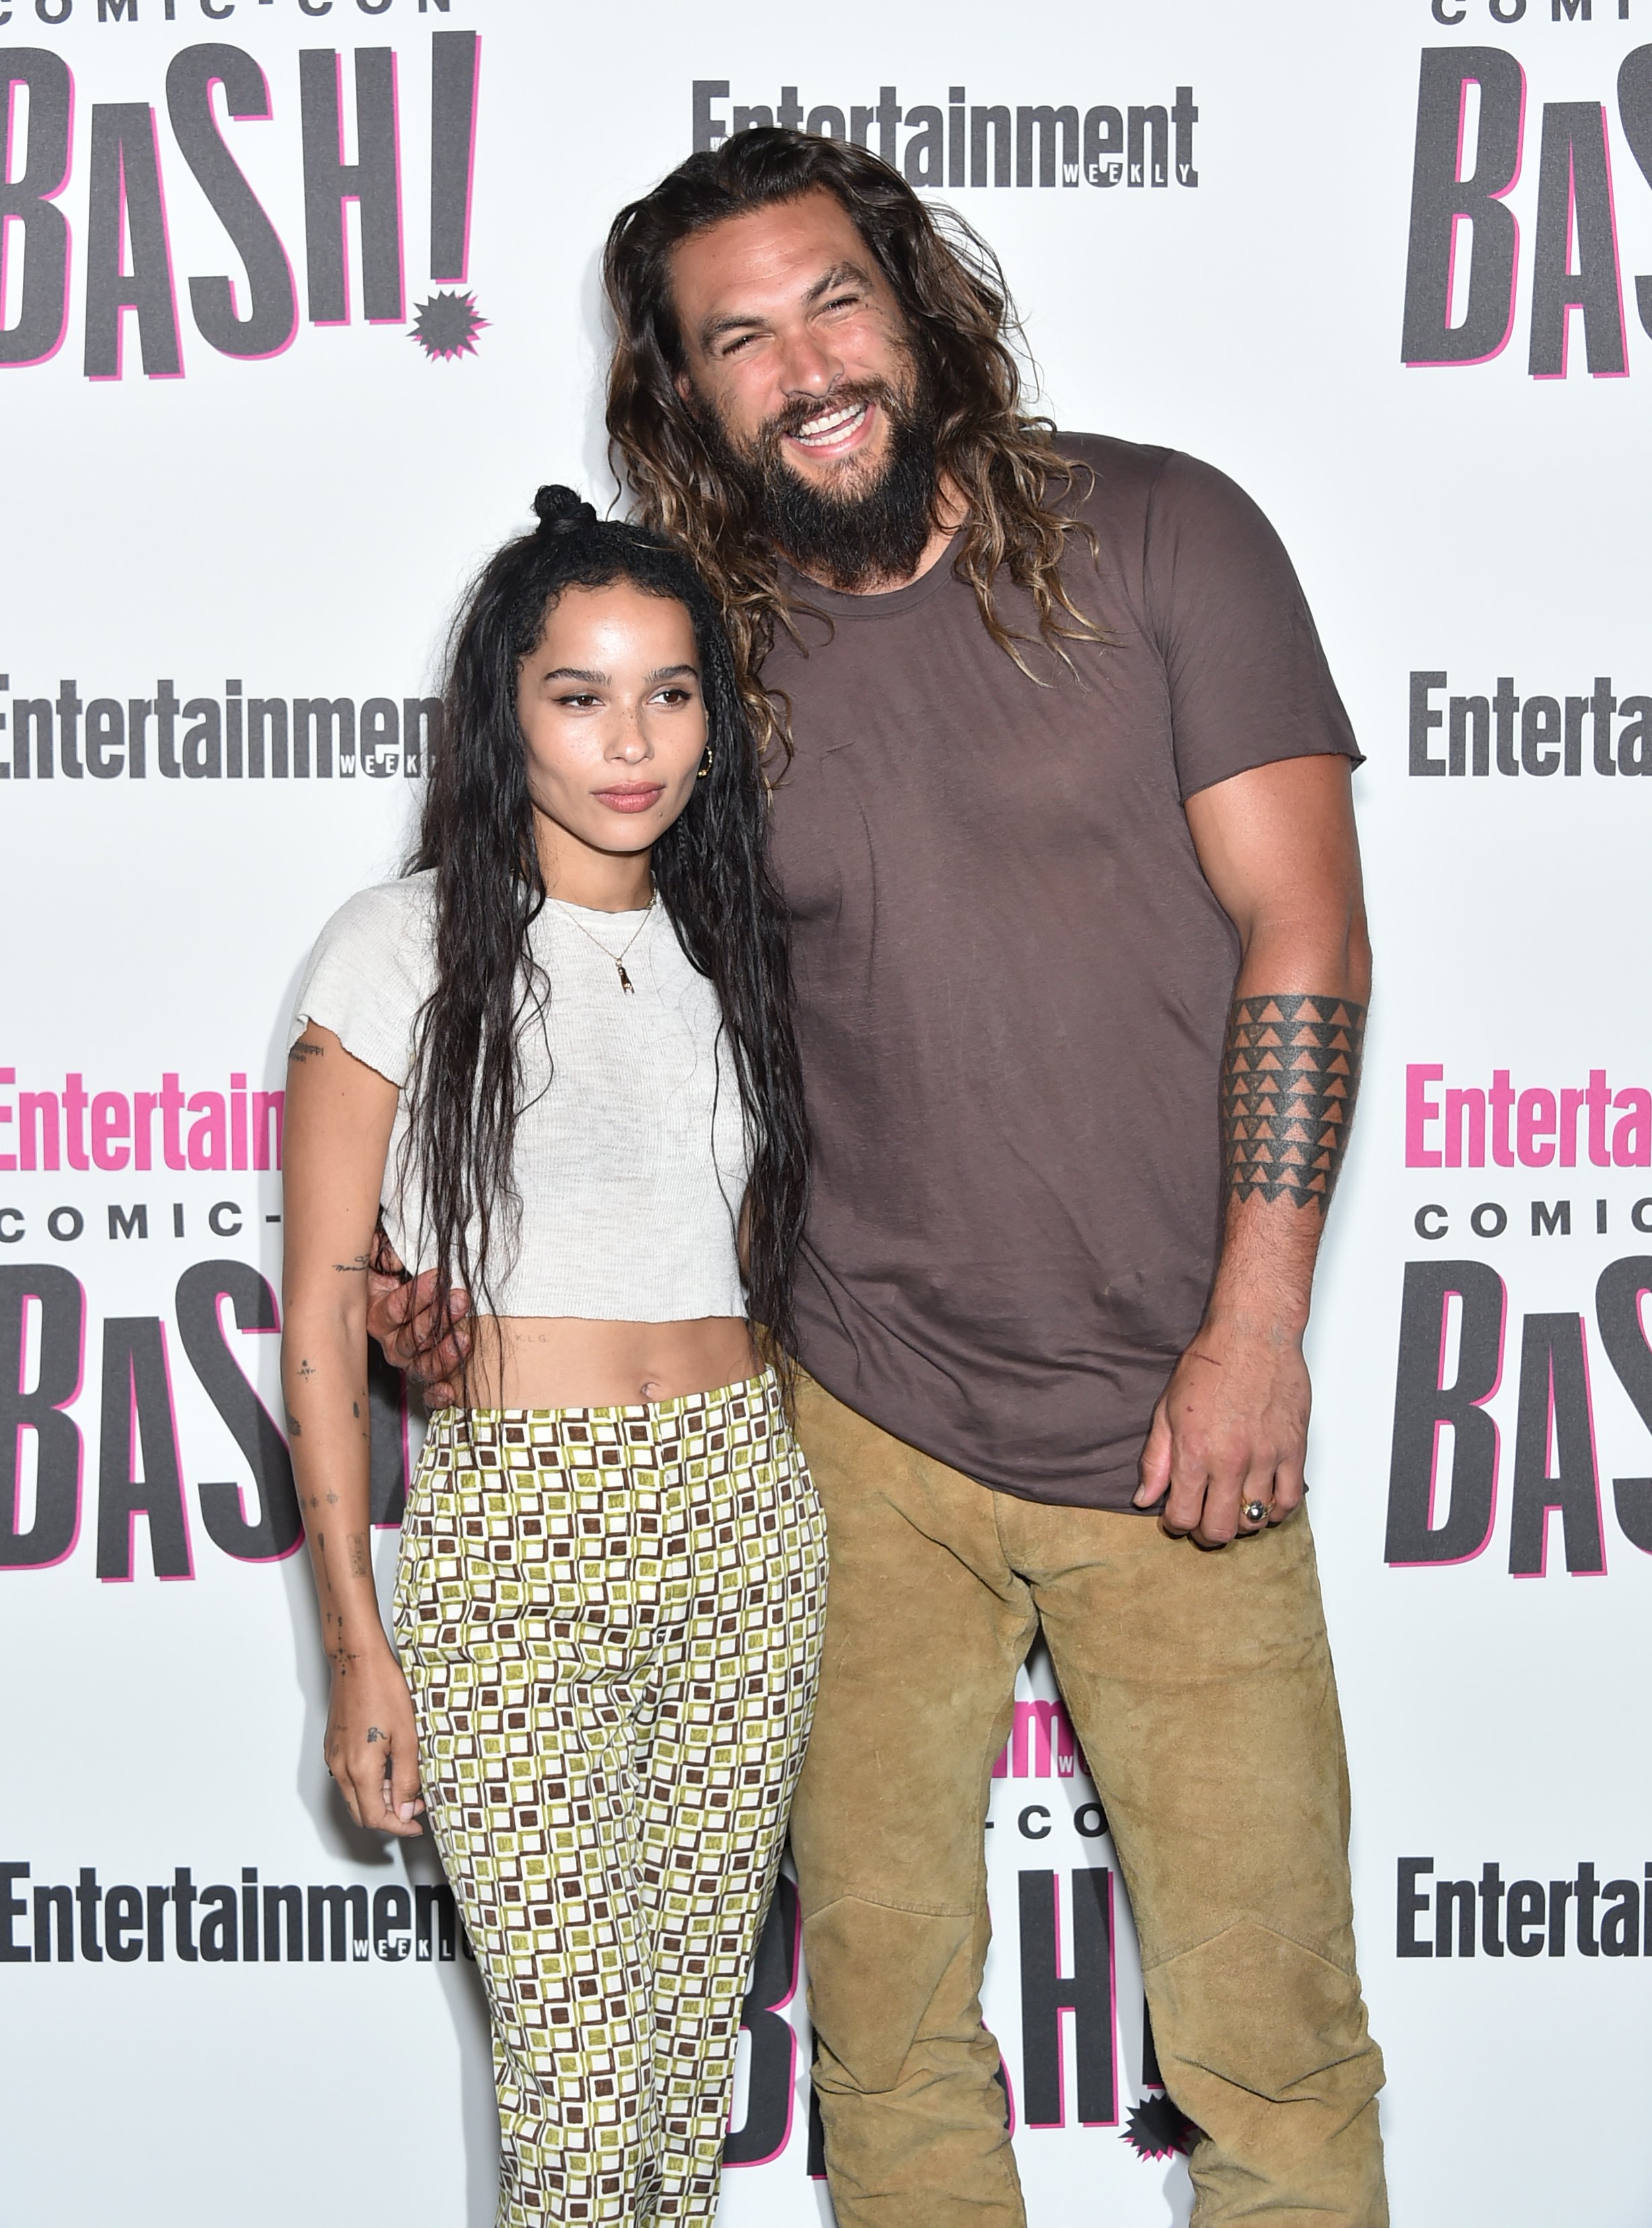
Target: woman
[[559, 1053]]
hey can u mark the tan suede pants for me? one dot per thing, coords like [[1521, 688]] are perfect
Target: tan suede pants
[[1200, 1687]]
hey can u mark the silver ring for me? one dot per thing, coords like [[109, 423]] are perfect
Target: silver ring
[[1255, 1512]]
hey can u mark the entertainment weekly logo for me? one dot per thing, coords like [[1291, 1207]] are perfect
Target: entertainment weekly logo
[[1597, 1123], [230, 737], [966, 144], [1589, 1915], [102, 202], [209, 1131], [246, 1922], [1462, 263], [1495, 730]]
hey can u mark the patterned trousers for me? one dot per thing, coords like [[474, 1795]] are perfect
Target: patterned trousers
[[611, 1621]]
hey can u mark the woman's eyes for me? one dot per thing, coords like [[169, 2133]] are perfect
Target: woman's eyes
[[580, 700]]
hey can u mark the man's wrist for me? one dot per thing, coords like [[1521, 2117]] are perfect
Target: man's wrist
[[1272, 1322]]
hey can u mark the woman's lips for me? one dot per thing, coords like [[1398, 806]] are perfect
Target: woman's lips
[[630, 800]]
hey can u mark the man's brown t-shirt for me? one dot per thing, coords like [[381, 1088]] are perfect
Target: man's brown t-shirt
[[1013, 979]]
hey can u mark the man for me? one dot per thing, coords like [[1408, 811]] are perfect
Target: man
[[1066, 836]]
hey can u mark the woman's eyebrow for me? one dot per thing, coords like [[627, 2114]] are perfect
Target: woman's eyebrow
[[671, 672], [578, 673]]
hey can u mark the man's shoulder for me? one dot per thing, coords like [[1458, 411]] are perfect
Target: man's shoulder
[[1159, 499], [1110, 474], [1109, 457], [1115, 488], [1110, 477]]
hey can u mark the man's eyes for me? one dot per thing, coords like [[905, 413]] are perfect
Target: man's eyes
[[855, 300]]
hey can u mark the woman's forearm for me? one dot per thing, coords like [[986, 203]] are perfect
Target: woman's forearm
[[339, 1116], [323, 1369]]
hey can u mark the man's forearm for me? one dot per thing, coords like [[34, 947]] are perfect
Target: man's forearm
[[1290, 1073], [1228, 1442]]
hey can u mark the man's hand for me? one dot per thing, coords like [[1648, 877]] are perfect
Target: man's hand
[[416, 1334], [1230, 1432]]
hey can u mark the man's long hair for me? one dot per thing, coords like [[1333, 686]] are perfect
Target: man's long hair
[[477, 838], [961, 323]]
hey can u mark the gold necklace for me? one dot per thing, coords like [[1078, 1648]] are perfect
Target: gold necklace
[[618, 957]]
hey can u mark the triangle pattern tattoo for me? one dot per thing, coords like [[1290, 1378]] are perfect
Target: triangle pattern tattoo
[[1290, 1072]]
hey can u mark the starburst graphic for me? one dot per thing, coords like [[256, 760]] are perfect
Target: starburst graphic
[[446, 326], [1157, 2129]]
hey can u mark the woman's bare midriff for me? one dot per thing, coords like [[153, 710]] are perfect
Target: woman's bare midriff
[[569, 1361]]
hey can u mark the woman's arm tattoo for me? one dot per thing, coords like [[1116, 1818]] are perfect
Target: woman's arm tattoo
[[1289, 1076]]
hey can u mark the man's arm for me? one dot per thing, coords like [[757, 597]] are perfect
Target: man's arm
[[1278, 848]]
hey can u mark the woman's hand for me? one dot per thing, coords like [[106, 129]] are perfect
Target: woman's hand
[[370, 1750]]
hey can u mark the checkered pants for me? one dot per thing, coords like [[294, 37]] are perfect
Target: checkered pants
[[611, 1621]]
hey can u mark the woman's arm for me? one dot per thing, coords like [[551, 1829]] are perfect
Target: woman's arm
[[336, 1134]]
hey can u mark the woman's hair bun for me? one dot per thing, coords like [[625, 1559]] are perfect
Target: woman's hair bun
[[559, 511]]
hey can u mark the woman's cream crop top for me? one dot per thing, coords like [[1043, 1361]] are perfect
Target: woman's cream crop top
[[630, 1155]]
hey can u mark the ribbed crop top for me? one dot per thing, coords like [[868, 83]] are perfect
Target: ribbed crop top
[[630, 1155]]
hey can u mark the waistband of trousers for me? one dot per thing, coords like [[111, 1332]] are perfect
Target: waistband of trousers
[[643, 1423]]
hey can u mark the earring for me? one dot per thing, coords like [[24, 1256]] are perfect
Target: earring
[[705, 769]]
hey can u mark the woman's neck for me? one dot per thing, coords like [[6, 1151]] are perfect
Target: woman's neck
[[605, 881]]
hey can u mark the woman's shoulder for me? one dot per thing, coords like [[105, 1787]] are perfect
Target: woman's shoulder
[[368, 973], [387, 919]]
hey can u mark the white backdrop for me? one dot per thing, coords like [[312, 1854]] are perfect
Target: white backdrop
[[190, 528]]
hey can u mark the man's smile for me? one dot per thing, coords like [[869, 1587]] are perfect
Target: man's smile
[[833, 431]]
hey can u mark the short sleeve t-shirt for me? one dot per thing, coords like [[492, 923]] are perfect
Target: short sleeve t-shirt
[[629, 1157], [1013, 979]]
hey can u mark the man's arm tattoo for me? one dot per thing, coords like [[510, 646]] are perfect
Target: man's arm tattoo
[[1289, 1075]]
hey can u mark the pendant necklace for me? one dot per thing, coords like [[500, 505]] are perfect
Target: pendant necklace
[[618, 957]]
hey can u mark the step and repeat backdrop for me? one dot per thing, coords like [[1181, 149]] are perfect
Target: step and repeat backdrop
[[297, 305]]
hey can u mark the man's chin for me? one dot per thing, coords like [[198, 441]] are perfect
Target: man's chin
[[838, 479]]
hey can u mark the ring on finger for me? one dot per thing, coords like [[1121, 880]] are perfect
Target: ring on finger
[[1255, 1512]]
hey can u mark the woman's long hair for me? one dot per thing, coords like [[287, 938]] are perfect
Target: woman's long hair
[[477, 838], [962, 325]]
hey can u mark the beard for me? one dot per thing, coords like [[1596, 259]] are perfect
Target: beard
[[874, 531]]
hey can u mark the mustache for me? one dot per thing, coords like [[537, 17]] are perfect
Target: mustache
[[796, 414]]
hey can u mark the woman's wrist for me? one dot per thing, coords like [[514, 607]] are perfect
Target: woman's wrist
[[357, 1639]]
